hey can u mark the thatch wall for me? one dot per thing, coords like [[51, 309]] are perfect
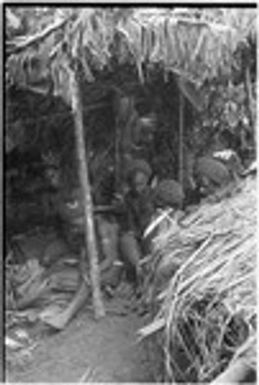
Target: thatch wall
[[202, 285]]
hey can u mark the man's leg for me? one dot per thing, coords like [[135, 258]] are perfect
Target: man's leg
[[60, 320]]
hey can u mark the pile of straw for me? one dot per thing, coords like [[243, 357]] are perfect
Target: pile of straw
[[202, 283]]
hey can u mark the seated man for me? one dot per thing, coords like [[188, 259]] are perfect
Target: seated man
[[139, 199], [72, 214], [138, 210]]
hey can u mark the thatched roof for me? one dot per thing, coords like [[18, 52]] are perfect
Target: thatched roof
[[194, 43]]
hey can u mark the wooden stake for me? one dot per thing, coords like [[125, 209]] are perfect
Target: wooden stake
[[248, 86], [90, 238], [181, 123], [117, 155]]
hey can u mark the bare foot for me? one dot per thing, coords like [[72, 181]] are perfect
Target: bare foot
[[57, 321], [60, 320]]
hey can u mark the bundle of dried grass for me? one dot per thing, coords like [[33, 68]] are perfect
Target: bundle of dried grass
[[204, 285]]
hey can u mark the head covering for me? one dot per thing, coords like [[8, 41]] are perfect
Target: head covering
[[169, 193], [139, 165], [212, 170]]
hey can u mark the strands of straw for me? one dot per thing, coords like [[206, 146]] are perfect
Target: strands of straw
[[214, 249]]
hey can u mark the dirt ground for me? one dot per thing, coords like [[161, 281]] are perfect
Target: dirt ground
[[88, 351]]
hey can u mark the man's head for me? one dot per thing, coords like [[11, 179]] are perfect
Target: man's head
[[147, 128], [139, 181], [139, 175]]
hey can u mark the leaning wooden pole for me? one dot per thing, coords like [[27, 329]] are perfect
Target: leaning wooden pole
[[248, 86], [181, 124], [117, 155], [90, 238]]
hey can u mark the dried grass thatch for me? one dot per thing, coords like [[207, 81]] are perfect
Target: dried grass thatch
[[194, 44], [204, 285]]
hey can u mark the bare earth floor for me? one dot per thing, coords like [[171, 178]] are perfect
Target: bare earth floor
[[89, 351]]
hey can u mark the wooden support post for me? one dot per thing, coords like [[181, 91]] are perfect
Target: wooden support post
[[117, 156], [181, 124], [90, 238], [250, 98]]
